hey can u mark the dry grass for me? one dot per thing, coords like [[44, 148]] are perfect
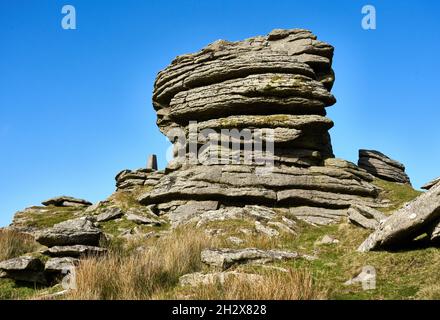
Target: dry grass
[[293, 285], [141, 275], [14, 244]]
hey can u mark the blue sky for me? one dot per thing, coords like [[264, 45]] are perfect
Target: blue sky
[[75, 105]]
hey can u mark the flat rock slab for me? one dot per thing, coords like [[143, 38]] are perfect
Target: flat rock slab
[[71, 232], [430, 184], [65, 201], [110, 214], [60, 265], [225, 258], [75, 251], [365, 217], [414, 219]]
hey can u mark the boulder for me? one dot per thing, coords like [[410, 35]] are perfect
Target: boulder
[[71, 232], [365, 217], [415, 218], [65, 201], [430, 184], [381, 166], [110, 214], [24, 268], [225, 258], [76, 251]]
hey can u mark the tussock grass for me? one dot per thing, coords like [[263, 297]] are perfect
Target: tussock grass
[[141, 274], [14, 244], [293, 285]]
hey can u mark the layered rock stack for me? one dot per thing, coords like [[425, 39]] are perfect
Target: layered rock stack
[[382, 166], [149, 176], [278, 85]]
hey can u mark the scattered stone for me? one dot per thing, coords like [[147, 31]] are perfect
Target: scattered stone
[[281, 226], [367, 278], [381, 166], [431, 184], [76, 251], [198, 278], [24, 268], [140, 219], [110, 214], [65, 201], [191, 209], [435, 233], [327, 240], [225, 258], [415, 218], [266, 230], [71, 232], [365, 217]]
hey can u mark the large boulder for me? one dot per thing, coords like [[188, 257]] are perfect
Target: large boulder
[[417, 217], [25, 268], [382, 166], [71, 232]]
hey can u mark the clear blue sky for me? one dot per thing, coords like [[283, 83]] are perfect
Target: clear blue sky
[[75, 106]]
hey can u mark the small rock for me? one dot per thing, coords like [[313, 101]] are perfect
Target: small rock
[[142, 219], [281, 226], [235, 240], [327, 240], [367, 277], [266, 230]]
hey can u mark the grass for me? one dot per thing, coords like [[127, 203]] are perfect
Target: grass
[[14, 244], [50, 217], [292, 285], [141, 275], [150, 268], [397, 193]]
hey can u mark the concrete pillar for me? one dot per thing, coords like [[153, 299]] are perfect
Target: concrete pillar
[[152, 162]]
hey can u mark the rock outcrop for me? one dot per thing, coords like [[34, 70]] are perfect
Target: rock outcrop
[[419, 216], [381, 166], [278, 86], [128, 179]]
